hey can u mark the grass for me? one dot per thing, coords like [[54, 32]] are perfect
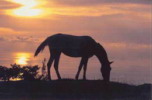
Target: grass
[[73, 90]]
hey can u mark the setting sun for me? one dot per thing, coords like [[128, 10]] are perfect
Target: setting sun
[[27, 9], [22, 58]]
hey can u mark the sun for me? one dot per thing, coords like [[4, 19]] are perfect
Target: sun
[[22, 58], [29, 8]]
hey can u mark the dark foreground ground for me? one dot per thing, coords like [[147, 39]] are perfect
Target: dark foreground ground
[[73, 90]]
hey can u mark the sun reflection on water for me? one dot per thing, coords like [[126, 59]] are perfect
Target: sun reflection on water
[[22, 58]]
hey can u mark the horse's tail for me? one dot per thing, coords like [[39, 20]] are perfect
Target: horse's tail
[[41, 47]]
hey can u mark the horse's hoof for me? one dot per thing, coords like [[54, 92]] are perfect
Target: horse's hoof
[[84, 78], [49, 79], [76, 78], [59, 78]]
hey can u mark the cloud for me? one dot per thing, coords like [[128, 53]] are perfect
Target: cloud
[[99, 2], [20, 39], [100, 9], [81, 8], [126, 28], [83, 11], [110, 23], [7, 31], [5, 4], [2, 39], [128, 51], [10, 35], [25, 38]]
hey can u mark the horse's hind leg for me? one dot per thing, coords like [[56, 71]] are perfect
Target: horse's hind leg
[[56, 64], [85, 68], [49, 64]]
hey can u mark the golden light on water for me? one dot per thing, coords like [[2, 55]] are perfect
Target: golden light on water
[[28, 8], [22, 58]]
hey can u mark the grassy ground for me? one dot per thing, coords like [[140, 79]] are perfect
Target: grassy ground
[[73, 90]]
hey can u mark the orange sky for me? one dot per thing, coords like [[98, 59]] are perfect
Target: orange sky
[[106, 21], [123, 27]]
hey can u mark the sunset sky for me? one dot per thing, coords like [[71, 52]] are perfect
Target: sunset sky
[[123, 27]]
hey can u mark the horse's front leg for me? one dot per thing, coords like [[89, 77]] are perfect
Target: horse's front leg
[[85, 68], [79, 69]]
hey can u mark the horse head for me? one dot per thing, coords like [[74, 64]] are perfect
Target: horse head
[[100, 52], [105, 70]]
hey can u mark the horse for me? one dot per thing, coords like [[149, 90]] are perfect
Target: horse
[[75, 46]]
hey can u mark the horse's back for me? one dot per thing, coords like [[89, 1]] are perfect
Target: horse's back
[[67, 37], [71, 45]]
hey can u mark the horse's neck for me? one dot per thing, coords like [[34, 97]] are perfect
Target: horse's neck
[[103, 59], [102, 56]]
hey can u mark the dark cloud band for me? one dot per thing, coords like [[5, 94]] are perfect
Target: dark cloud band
[[99, 2]]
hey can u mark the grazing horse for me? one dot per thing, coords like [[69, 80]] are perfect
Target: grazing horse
[[75, 46]]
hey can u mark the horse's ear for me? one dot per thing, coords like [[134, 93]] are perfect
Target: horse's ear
[[111, 62]]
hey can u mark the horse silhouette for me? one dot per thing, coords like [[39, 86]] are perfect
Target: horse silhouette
[[75, 46]]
